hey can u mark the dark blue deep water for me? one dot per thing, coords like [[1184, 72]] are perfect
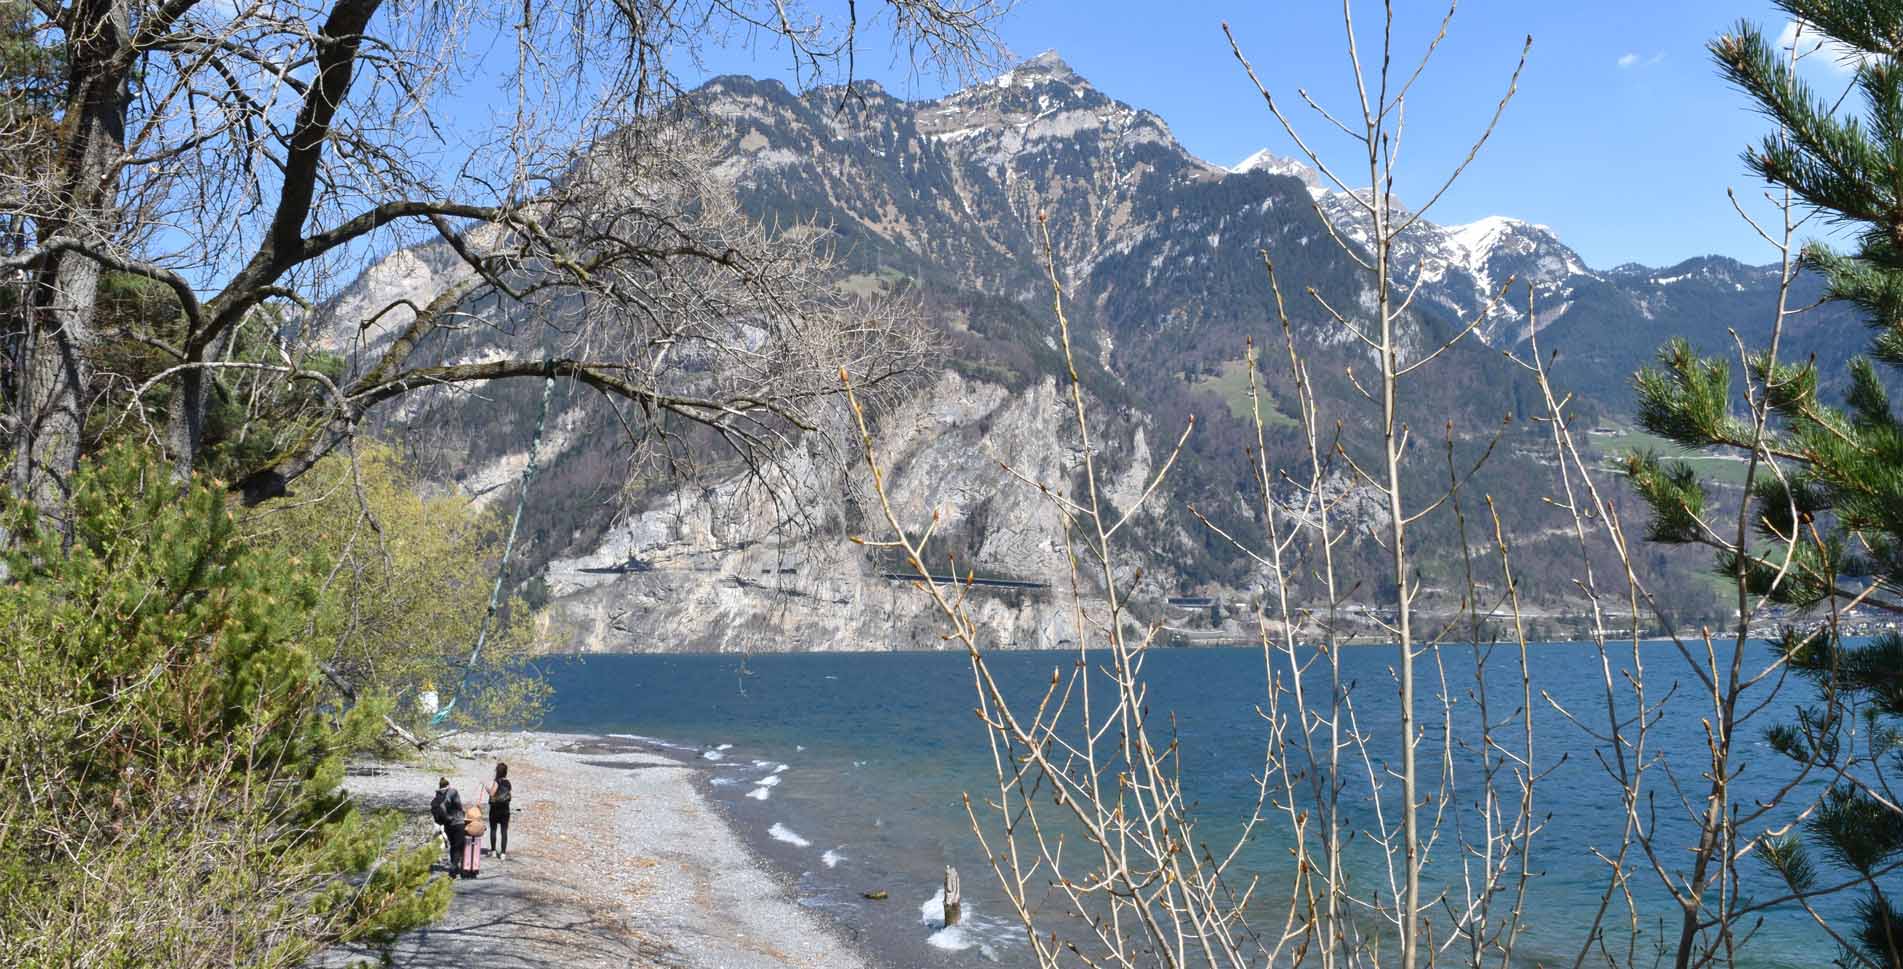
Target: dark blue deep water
[[878, 749]]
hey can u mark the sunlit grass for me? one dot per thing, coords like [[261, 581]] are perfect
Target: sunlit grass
[[1232, 386], [1722, 468]]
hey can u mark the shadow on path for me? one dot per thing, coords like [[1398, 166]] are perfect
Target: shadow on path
[[498, 922]]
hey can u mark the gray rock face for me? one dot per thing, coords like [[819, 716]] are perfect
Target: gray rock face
[[717, 569]]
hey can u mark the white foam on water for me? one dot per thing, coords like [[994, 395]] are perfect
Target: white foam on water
[[771, 780], [971, 931], [780, 832], [831, 858], [801, 748], [762, 763], [724, 781], [712, 754], [652, 741], [724, 747], [780, 769], [759, 793], [952, 939], [932, 910]]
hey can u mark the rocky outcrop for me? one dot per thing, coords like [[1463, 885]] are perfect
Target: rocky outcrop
[[727, 568]]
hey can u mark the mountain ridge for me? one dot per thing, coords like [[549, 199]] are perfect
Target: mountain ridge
[[1157, 254]]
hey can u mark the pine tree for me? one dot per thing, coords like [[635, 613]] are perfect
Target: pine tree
[[175, 759], [1828, 491]]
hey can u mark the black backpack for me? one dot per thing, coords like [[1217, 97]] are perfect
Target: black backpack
[[500, 796], [438, 811]]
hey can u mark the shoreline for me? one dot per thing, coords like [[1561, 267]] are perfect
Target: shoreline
[[1357, 642], [617, 856]]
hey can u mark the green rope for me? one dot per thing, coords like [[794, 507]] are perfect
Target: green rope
[[502, 570]]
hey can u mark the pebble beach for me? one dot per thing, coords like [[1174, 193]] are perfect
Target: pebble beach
[[615, 860]]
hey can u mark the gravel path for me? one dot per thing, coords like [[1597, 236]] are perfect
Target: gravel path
[[615, 860]]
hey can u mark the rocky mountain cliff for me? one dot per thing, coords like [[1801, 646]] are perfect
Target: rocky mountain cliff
[[1159, 254]]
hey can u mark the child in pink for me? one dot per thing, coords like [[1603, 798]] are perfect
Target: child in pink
[[473, 828]]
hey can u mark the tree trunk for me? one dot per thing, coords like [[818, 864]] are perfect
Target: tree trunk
[[55, 361], [954, 899], [52, 392], [185, 421], [190, 404]]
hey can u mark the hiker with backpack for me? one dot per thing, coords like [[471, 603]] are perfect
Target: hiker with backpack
[[447, 811], [499, 792]]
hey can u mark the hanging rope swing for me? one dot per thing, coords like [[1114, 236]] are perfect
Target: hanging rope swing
[[502, 570]]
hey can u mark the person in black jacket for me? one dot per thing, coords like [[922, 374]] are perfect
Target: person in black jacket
[[499, 793], [447, 811]]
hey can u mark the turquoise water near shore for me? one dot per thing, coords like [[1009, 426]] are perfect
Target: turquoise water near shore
[[848, 771]]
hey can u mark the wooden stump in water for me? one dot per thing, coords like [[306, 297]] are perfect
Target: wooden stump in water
[[952, 898]]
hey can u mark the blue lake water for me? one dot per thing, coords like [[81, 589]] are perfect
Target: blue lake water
[[879, 748]]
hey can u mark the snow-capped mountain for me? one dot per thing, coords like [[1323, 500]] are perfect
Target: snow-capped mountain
[[1268, 161], [1610, 320], [1135, 218], [1461, 268], [1160, 259]]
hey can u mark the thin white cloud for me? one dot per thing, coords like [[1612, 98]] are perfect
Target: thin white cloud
[[1631, 59], [1627, 60], [1814, 47]]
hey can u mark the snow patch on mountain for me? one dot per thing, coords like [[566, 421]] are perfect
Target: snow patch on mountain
[[1044, 67], [1476, 240], [1268, 161], [1473, 245]]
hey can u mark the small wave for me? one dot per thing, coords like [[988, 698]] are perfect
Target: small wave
[[651, 741], [957, 939], [780, 832], [952, 939], [724, 781], [831, 858], [712, 754], [763, 763], [800, 748], [780, 769], [724, 747], [771, 780], [759, 793]]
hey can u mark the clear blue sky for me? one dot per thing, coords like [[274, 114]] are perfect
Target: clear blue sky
[[1622, 138]]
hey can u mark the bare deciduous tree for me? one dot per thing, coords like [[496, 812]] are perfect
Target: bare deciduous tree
[[1090, 809], [245, 154], [1090, 824]]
